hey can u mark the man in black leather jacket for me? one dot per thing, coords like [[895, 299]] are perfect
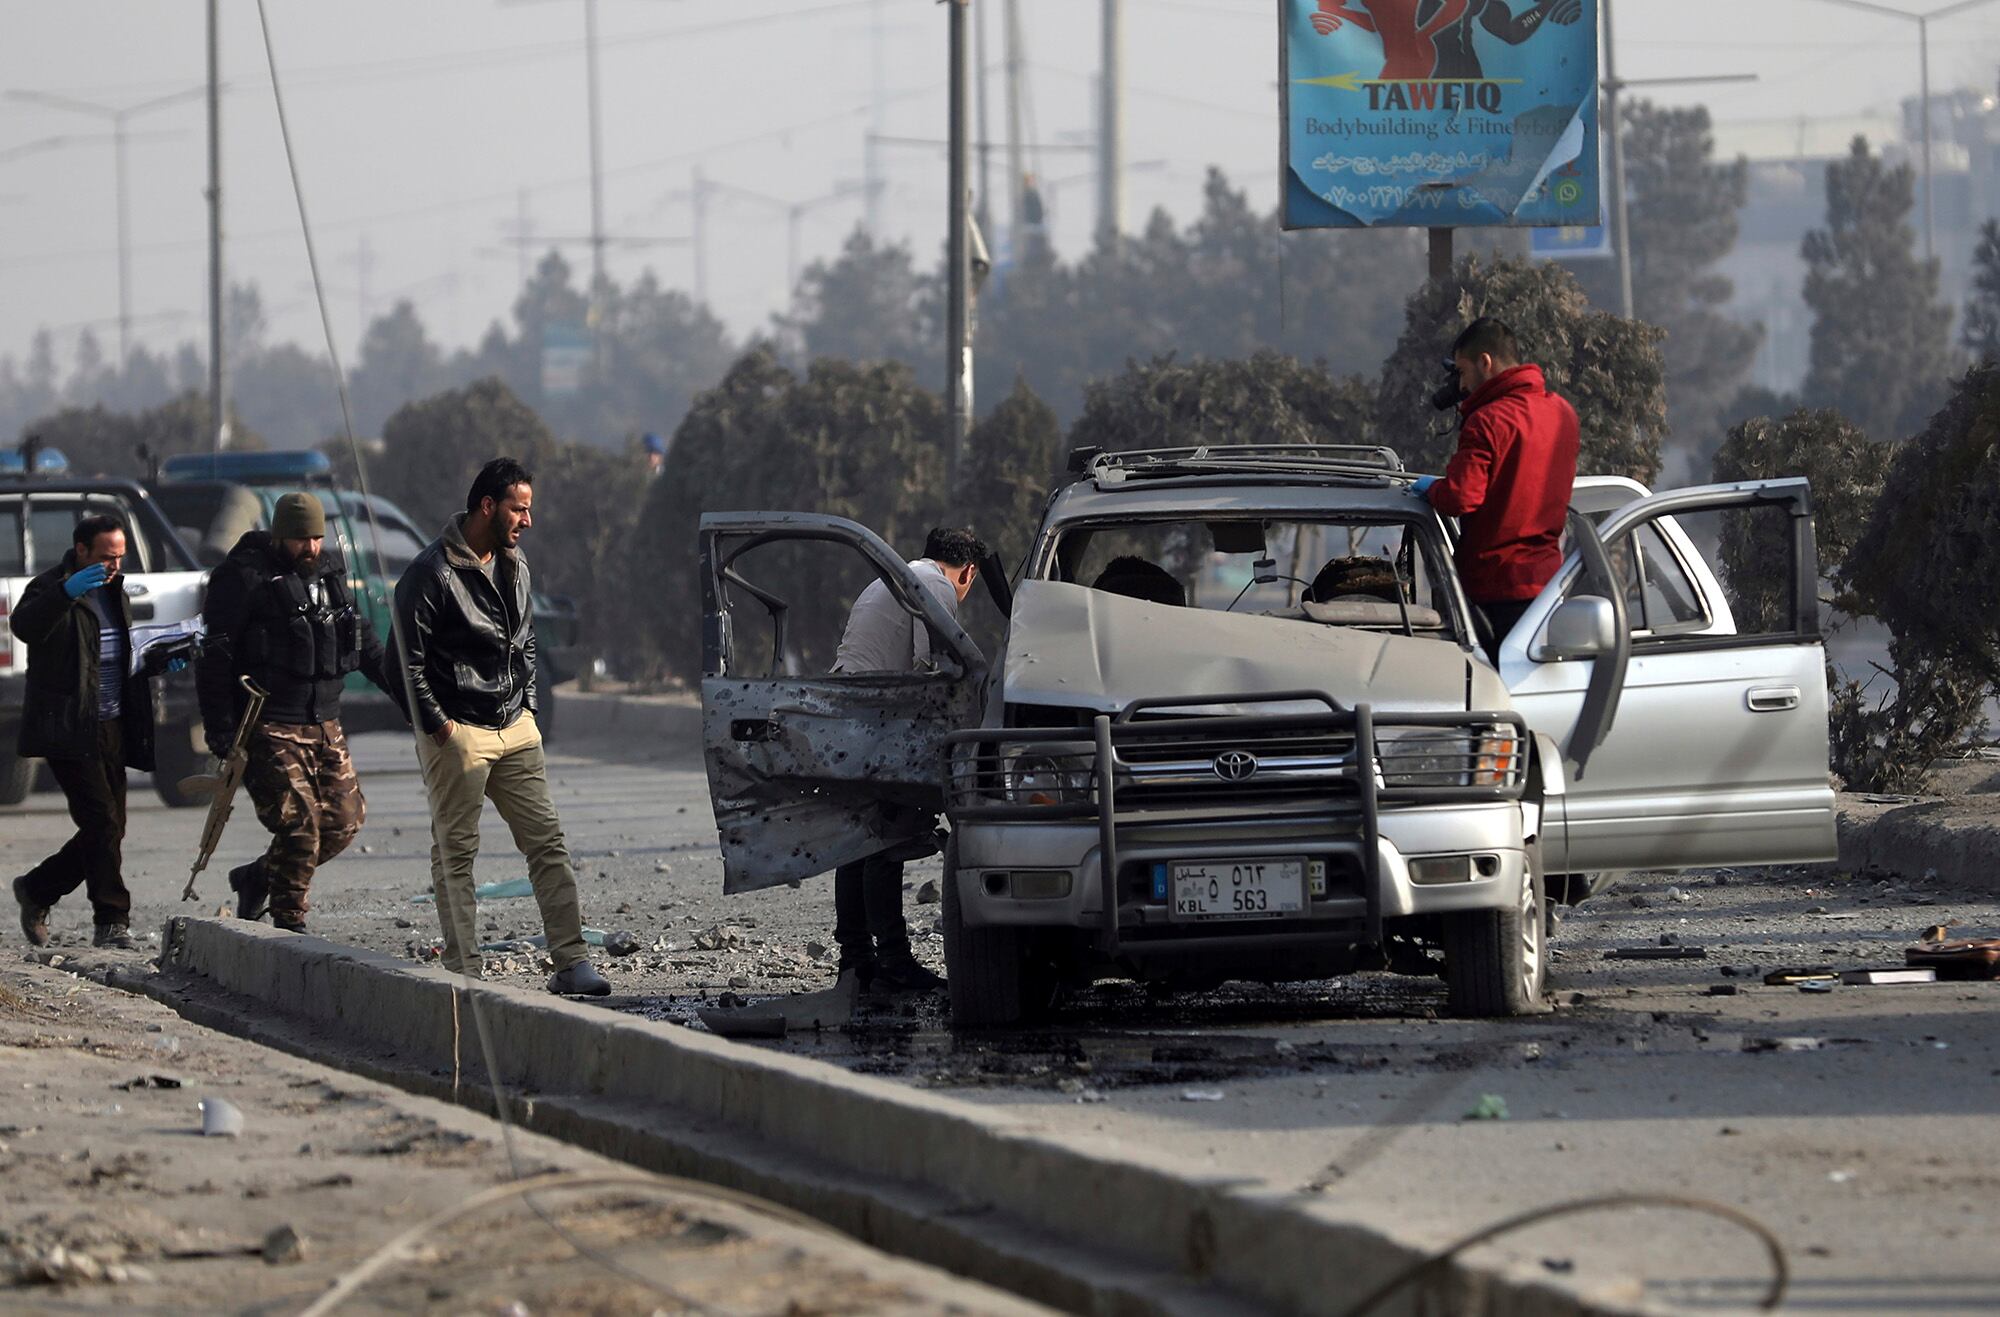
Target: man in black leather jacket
[[464, 608], [280, 612]]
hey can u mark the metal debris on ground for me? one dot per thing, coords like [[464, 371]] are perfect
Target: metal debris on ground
[[1792, 1044], [1962, 959], [219, 1118], [1201, 1095], [148, 1081], [1657, 953], [1888, 977], [1784, 978]]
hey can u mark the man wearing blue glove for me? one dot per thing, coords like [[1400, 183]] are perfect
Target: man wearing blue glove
[[85, 713]]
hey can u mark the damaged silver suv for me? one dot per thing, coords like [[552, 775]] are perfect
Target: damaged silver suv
[[1243, 727]]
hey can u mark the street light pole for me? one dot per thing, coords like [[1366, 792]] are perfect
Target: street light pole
[[958, 328], [1923, 22], [118, 116], [216, 412]]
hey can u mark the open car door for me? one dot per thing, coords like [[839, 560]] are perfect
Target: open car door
[[1717, 754], [809, 772]]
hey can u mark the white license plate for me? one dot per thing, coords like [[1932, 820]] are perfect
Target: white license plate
[[1246, 889]]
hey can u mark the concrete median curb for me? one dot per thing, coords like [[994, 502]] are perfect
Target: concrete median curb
[[1910, 840], [656, 719], [1083, 1224]]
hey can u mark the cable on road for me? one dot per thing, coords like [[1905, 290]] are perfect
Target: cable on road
[[519, 1185], [368, 1268], [1781, 1270]]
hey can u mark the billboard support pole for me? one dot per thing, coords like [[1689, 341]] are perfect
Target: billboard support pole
[[1621, 236], [1440, 255], [958, 318]]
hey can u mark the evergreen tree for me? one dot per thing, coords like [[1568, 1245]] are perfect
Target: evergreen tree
[[1609, 368], [1981, 334], [1881, 353]]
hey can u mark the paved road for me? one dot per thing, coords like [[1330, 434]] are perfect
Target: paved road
[[1870, 1153]]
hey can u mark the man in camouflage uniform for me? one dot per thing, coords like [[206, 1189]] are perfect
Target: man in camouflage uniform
[[280, 612]]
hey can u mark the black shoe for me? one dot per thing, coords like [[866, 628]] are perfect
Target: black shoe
[[862, 967], [904, 974], [114, 937], [288, 925], [34, 918], [579, 980], [253, 890]]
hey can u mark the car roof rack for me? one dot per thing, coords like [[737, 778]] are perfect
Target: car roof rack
[[1222, 459]]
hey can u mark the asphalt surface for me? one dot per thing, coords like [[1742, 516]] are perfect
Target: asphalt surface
[[1858, 1123]]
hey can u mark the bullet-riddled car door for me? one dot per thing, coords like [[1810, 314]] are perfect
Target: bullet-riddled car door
[[1718, 752], [810, 771]]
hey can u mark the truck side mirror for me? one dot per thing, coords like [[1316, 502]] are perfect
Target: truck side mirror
[[1583, 627]]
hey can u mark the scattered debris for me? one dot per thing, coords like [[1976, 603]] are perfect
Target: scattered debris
[[1794, 1044], [1491, 1106], [1201, 1095], [219, 1118], [1782, 978], [1842, 1176], [1657, 953], [1724, 989], [928, 894], [721, 937], [283, 1246], [148, 1081], [499, 891], [1884, 977], [1559, 1266], [1817, 985], [1974, 958], [623, 943]]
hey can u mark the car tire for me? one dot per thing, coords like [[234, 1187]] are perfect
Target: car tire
[[175, 758], [1496, 961], [17, 775], [983, 966]]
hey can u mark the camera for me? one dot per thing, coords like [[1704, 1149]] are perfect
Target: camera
[[1449, 394]]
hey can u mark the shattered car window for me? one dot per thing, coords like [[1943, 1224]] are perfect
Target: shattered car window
[[1349, 572]]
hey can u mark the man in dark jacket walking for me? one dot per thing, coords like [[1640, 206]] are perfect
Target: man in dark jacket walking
[[1509, 482], [279, 611], [85, 713], [465, 610]]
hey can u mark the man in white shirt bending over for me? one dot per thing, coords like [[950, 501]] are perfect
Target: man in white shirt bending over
[[869, 927]]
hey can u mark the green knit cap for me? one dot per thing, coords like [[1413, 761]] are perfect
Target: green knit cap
[[298, 517]]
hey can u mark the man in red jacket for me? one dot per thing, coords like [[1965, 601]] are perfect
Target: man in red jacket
[[1509, 481]]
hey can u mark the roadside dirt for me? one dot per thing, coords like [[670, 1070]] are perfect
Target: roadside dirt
[[115, 1200]]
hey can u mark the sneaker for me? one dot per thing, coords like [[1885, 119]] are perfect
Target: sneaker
[[253, 890], [34, 918], [114, 937], [579, 980], [904, 974]]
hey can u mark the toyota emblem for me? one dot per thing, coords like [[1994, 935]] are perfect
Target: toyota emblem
[[1235, 765]]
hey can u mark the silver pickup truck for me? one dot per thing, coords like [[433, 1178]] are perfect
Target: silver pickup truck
[[161, 578], [1243, 727]]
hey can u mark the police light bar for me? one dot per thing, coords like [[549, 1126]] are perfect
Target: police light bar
[[281, 467]]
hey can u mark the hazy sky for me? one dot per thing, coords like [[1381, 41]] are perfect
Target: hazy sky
[[424, 129]]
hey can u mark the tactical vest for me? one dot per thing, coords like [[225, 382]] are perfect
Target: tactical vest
[[290, 634]]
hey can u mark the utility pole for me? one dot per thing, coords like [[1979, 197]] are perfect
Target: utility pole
[[985, 138], [958, 345], [118, 116], [596, 151], [1613, 126], [217, 413], [1016, 168], [524, 233], [878, 97], [699, 201], [1110, 134], [1923, 22]]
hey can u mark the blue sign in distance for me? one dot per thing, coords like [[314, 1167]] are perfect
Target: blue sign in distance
[[1439, 113]]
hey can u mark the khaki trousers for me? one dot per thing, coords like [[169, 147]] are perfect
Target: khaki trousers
[[507, 767]]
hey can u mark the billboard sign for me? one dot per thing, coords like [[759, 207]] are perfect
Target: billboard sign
[[1438, 113], [566, 354], [1571, 243]]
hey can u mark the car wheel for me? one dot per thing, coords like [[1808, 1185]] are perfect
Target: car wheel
[[1496, 961], [17, 775], [175, 758], [983, 966]]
